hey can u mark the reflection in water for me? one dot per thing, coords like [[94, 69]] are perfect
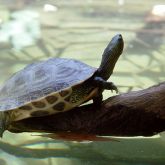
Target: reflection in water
[[22, 30], [151, 35]]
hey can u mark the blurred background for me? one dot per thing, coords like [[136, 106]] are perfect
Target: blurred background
[[33, 30]]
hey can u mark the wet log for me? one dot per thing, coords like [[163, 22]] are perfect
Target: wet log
[[129, 114]]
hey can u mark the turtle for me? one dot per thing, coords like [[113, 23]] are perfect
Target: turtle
[[56, 85]]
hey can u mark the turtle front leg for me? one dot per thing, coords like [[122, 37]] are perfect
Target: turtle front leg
[[97, 100], [102, 84]]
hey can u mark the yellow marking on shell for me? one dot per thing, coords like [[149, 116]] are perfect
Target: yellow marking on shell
[[61, 99], [20, 114]]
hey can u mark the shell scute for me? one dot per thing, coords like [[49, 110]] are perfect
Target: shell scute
[[36, 94], [64, 93], [51, 99], [25, 107], [38, 104], [39, 113], [59, 106], [19, 81]]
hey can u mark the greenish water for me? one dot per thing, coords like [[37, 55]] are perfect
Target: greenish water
[[81, 29]]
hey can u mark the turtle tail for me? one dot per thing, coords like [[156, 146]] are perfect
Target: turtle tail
[[110, 56]]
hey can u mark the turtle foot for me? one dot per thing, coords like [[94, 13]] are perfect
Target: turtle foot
[[102, 84]]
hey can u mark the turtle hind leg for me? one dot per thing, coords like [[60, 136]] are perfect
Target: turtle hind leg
[[3, 123], [102, 84]]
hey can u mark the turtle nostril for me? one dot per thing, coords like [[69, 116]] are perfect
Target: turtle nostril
[[120, 38]]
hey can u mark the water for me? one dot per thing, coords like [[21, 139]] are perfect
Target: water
[[81, 29]]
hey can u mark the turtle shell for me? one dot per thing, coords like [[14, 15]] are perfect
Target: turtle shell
[[41, 79]]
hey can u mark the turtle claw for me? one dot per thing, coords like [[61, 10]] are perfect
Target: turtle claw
[[113, 87], [116, 90]]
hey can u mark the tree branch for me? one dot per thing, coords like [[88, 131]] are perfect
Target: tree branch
[[129, 114]]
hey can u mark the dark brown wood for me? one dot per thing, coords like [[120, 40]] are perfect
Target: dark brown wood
[[128, 114]]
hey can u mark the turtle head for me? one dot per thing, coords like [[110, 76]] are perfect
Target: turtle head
[[3, 122], [110, 56]]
